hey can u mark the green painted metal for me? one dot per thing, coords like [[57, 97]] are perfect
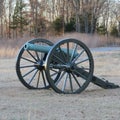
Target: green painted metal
[[39, 48], [45, 49]]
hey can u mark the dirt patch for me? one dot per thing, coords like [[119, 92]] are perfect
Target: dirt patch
[[95, 103]]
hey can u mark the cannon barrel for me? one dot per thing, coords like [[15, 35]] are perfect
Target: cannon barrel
[[45, 49], [38, 48]]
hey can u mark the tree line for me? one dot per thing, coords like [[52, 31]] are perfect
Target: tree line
[[42, 17]]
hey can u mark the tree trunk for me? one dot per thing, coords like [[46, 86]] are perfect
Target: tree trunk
[[86, 22], [93, 24], [63, 16], [53, 10], [1, 27], [10, 11], [21, 23], [76, 5], [119, 29], [1, 16], [78, 27]]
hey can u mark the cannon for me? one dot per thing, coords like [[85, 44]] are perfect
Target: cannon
[[66, 66]]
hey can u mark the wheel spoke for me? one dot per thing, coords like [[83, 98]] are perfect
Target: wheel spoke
[[38, 79], [73, 52], [32, 55], [68, 52], [85, 68], [55, 74], [64, 84], [26, 66], [29, 72], [58, 59], [56, 83], [53, 70], [76, 80], [43, 78], [62, 54], [78, 56], [71, 86], [82, 61], [37, 55], [27, 60], [80, 74], [33, 77]]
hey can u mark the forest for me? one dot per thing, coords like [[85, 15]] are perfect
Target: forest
[[56, 17]]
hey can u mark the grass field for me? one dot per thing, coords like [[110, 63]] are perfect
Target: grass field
[[9, 48]]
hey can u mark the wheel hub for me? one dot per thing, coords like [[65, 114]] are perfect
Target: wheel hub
[[69, 68], [39, 65]]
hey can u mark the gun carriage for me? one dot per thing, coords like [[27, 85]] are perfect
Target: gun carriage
[[66, 66]]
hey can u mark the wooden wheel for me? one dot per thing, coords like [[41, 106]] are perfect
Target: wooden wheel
[[73, 61], [30, 66]]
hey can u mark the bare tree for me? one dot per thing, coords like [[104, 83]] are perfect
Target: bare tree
[[97, 7], [34, 13], [76, 4], [85, 5], [116, 12], [63, 15], [1, 15], [10, 14], [86, 14]]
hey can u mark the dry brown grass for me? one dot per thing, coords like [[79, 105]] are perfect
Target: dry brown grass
[[90, 40], [8, 52], [9, 48]]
